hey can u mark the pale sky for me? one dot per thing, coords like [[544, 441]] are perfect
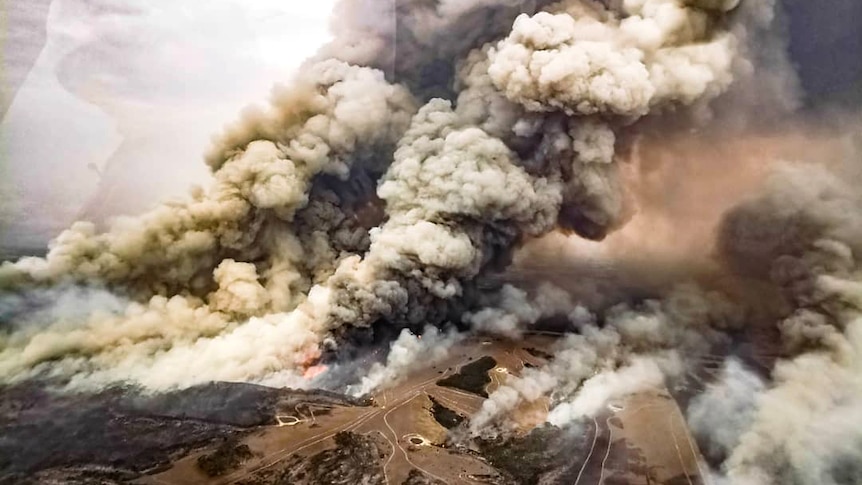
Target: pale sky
[[132, 90]]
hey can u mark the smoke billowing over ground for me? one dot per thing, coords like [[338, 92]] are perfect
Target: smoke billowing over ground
[[642, 175]]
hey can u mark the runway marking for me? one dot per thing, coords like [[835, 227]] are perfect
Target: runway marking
[[590, 454], [678, 454], [450, 403], [461, 393], [352, 425], [608, 452], [694, 454]]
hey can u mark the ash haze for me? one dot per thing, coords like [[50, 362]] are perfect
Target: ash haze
[[107, 104], [667, 188]]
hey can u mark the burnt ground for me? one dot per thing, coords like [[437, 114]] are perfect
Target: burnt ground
[[121, 433], [413, 433], [355, 458], [546, 454], [472, 377], [444, 416], [418, 478]]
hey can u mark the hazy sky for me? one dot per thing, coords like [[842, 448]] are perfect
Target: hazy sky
[[123, 96]]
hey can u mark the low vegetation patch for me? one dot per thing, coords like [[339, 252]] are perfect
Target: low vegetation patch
[[227, 457]]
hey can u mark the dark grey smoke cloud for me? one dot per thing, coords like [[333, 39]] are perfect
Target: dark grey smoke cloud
[[527, 145], [824, 42], [391, 182]]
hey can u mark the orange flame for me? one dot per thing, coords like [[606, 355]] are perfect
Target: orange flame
[[314, 371]]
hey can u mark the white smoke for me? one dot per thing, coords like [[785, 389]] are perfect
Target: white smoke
[[720, 415], [800, 431], [585, 61], [408, 352], [396, 175], [637, 349], [273, 248], [514, 310], [393, 179]]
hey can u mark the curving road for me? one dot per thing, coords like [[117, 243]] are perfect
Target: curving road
[[398, 413]]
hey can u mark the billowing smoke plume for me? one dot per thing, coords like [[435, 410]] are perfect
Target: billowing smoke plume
[[799, 240], [803, 237], [635, 349], [408, 353], [390, 184], [290, 244]]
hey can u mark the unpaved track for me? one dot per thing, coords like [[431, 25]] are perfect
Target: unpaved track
[[401, 411]]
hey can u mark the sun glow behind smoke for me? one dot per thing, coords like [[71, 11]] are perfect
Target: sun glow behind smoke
[[130, 92]]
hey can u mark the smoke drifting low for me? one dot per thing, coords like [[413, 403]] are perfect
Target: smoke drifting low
[[394, 180]]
